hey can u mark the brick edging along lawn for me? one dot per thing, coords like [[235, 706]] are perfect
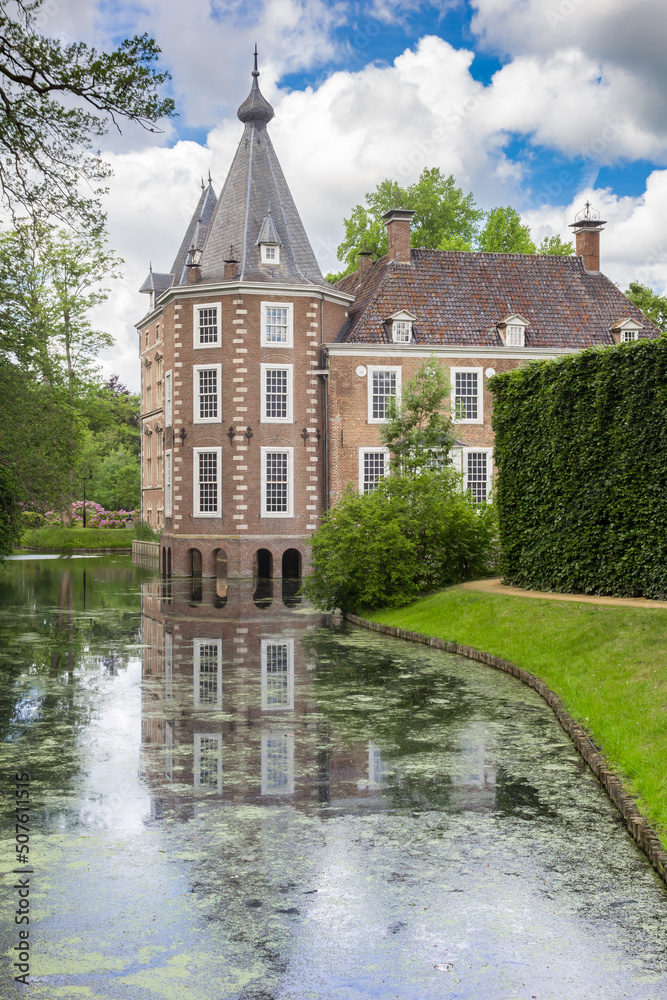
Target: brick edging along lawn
[[637, 824]]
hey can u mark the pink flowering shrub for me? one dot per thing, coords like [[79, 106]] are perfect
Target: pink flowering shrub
[[96, 516]]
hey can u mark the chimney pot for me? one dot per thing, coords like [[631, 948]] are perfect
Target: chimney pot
[[398, 233], [587, 228]]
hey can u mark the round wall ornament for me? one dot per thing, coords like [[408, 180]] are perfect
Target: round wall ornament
[[361, 370], [490, 372]]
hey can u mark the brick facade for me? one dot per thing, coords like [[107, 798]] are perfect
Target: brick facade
[[240, 529]]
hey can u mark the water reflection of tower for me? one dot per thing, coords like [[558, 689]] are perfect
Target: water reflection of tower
[[228, 704]]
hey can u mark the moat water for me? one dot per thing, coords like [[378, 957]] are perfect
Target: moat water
[[232, 799]]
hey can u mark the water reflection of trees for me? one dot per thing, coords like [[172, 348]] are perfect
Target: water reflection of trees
[[61, 621]]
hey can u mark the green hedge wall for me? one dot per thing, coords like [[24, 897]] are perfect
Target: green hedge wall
[[581, 450]]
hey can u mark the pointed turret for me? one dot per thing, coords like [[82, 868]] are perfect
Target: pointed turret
[[196, 233], [254, 184]]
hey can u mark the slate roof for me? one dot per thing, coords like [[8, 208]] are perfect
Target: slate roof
[[196, 232], [256, 185], [156, 282], [459, 297]]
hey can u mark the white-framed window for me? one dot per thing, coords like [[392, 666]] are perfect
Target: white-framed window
[[276, 394], [207, 769], [277, 674], [270, 253], [167, 483], [168, 666], [401, 331], [169, 751], [206, 464], [277, 482], [382, 383], [207, 671], [207, 409], [629, 335], [277, 763], [206, 324], [515, 335], [277, 324], [167, 399], [373, 465], [477, 471], [467, 396]]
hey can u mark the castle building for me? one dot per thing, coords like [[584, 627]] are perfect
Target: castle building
[[264, 386]]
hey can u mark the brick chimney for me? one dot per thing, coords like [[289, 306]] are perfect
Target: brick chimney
[[587, 228], [231, 265], [398, 233], [364, 261]]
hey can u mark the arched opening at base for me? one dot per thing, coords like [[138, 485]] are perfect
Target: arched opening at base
[[291, 578], [263, 574], [195, 576], [220, 573]]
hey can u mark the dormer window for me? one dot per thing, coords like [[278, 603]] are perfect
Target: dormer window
[[626, 330], [268, 241], [400, 326], [270, 253], [512, 330]]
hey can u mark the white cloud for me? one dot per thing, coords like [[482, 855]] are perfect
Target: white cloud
[[625, 39], [339, 139]]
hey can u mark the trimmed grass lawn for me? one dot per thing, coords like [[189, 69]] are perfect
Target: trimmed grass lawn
[[609, 666], [65, 539]]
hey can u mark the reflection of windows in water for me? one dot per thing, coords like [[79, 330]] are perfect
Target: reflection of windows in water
[[277, 764], [208, 673], [168, 666], [169, 751], [277, 674], [377, 769], [208, 761]]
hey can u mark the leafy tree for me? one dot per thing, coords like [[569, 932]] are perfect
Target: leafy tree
[[418, 431], [49, 281], [58, 98], [444, 218], [653, 306], [553, 246], [504, 232], [40, 433], [411, 535]]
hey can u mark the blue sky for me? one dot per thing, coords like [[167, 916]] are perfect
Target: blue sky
[[541, 104]]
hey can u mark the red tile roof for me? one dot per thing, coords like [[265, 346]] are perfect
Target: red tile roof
[[459, 297]]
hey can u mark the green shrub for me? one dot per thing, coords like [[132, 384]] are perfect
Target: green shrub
[[144, 533], [581, 451], [411, 535]]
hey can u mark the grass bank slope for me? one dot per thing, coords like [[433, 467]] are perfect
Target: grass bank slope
[[66, 539], [607, 664]]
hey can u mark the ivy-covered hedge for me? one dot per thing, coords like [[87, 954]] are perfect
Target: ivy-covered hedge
[[581, 492]]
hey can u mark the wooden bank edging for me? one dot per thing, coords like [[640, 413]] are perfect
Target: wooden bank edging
[[637, 824]]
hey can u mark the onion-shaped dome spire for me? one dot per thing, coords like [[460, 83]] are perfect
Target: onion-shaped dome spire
[[255, 108]]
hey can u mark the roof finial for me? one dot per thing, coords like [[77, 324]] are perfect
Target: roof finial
[[210, 179], [255, 108], [202, 183], [150, 266]]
